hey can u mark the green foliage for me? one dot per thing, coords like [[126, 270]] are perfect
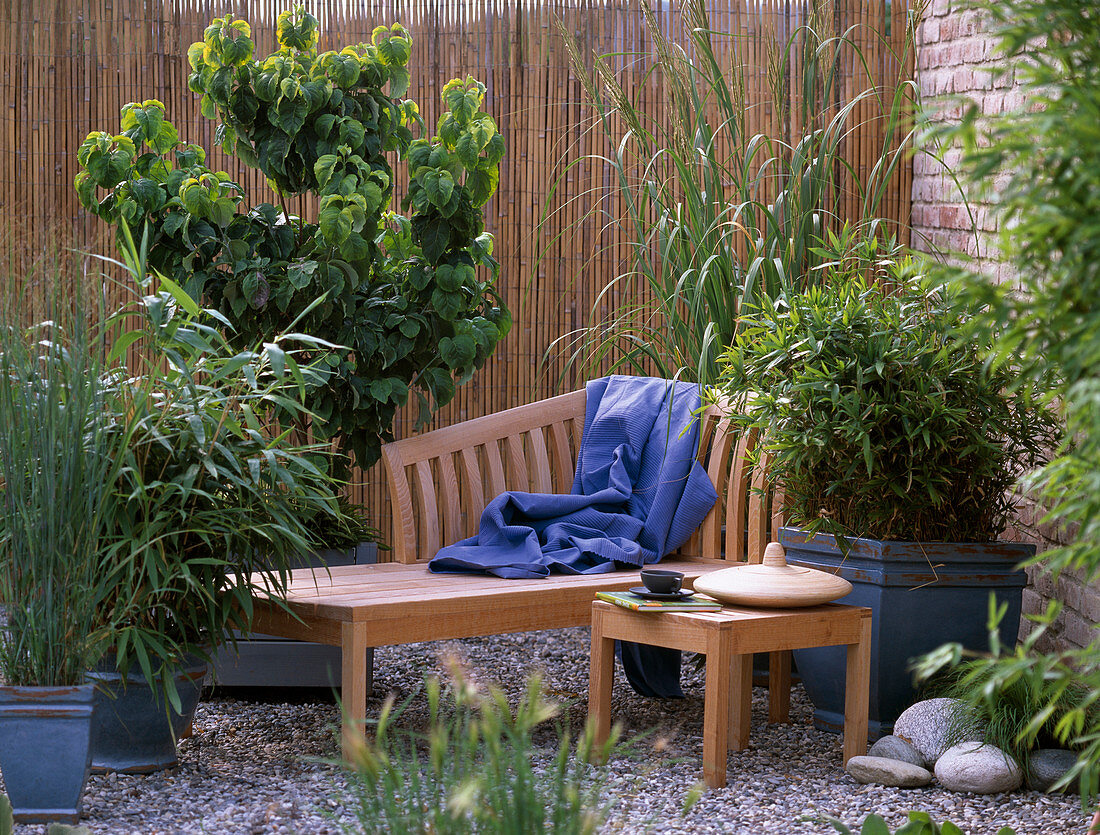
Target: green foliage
[[143, 504], [7, 820], [1018, 711], [880, 419], [1029, 698], [59, 467], [1040, 166], [353, 527], [716, 217], [211, 505], [389, 290], [475, 770], [1049, 204], [919, 823]]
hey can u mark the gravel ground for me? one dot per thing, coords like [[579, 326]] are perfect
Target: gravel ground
[[254, 767]]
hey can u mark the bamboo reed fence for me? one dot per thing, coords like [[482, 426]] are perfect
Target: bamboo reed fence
[[67, 68]]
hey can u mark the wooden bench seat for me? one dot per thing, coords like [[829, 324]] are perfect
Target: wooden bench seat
[[439, 483]]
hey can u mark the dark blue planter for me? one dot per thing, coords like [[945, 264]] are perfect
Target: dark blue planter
[[261, 661], [921, 595], [44, 750], [134, 731]]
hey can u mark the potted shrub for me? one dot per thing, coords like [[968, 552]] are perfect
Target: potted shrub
[[895, 445], [59, 462], [213, 505]]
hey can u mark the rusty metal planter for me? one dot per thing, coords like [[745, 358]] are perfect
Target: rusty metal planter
[[134, 732], [922, 595], [44, 750]]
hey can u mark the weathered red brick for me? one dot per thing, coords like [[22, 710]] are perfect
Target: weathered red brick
[[1076, 630], [1090, 603], [1033, 603], [929, 32]]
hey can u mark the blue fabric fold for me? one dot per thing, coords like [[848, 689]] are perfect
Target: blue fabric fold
[[638, 494]]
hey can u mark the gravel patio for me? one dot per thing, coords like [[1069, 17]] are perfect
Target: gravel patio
[[259, 767]]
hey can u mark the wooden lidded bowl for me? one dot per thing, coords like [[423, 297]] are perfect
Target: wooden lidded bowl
[[772, 583]]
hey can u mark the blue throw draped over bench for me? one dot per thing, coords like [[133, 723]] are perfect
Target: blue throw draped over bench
[[638, 495]]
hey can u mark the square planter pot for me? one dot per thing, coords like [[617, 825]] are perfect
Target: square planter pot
[[134, 731], [44, 750], [268, 661], [921, 595]]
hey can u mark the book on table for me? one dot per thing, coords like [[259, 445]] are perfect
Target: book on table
[[638, 603]]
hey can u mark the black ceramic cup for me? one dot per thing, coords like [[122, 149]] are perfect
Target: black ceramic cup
[[661, 580]]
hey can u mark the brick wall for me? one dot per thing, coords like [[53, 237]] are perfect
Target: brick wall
[[953, 56], [954, 51], [1081, 600]]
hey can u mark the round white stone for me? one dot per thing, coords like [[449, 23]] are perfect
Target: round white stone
[[974, 767]]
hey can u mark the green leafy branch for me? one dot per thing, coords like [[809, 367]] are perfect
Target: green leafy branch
[[404, 295]]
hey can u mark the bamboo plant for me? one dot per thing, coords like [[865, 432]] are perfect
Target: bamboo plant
[[59, 466], [214, 502], [143, 502], [714, 214], [477, 768]]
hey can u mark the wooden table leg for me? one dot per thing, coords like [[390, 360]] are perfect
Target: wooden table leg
[[716, 708], [779, 686], [353, 679], [857, 682], [601, 678], [740, 701]]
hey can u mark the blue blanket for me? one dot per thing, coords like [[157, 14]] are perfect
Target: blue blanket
[[638, 494]]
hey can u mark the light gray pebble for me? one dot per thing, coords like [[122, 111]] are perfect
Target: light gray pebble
[[895, 748], [883, 771]]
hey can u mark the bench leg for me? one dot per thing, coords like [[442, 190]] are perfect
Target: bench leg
[[716, 708], [353, 678], [740, 701], [368, 672], [857, 681], [601, 678], [779, 686]]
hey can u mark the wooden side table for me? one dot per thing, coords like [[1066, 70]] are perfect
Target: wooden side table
[[729, 638]]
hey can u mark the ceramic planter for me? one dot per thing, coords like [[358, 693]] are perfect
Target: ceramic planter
[[921, 595], [44, 750], [134, 732]]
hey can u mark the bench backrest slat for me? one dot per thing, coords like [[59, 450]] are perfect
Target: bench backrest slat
[[559, 439], [475, 487], [451, 498], [758, 515], [428, 507], [497, 483], [711, 531], [521, 476], [541, 481], [737, 500], [436, 502]]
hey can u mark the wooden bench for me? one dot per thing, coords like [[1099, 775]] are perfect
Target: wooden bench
[[439, 483]]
